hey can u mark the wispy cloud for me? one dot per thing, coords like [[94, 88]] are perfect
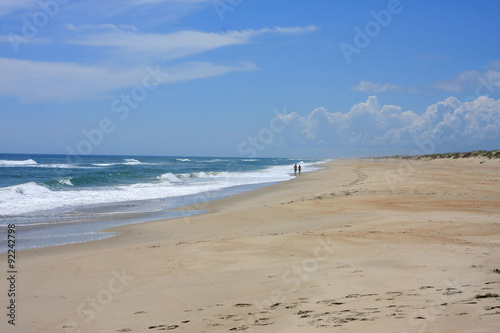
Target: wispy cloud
[[35, 82], [139, 47], [375, 87], [495, 64], [378, 87], [167, 46], [177, 44], [202, 70], [461, 82], [145, 2], [294, 30], [105, 26], [9, 6], [471, 80]]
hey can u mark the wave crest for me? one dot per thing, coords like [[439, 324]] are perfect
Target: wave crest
[[17, 163]]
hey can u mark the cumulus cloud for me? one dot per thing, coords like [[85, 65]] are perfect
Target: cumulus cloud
[[449, 122]]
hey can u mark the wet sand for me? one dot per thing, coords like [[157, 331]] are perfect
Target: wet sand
[[379, 245]]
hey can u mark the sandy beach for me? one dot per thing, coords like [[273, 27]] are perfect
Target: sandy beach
[[372, 245]]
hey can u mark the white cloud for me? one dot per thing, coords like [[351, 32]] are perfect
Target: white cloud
[[146, 2], [479, 82], [168, 46], [450, 122], [295, 30], [34, 82], [465, 123], [375, 87], [461, 82], [14, 39], [495, 64], [9, 6], [105, 26], [199, 70], [177, 44], [472, 80]]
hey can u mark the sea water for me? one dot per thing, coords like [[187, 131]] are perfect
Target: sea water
[[63, 199]]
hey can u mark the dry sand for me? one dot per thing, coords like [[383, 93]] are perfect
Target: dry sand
[[362, 246]]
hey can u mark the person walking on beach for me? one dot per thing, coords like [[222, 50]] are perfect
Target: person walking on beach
[[300, 169], [295, 169]]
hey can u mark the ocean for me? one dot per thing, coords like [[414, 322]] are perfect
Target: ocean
[[63, 199]]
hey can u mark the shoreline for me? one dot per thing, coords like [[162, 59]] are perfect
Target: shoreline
[[339, 247], [85, 227]]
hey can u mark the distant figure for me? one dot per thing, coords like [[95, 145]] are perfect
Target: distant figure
[[300, 169], [295, 169]]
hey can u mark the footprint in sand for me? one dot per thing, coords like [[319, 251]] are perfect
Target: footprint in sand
[[263, 322], [242, 305], [304, 313], [329, 302], [163, 327]]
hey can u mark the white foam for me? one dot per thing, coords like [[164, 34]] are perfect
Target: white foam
[[9, 163], [31, 197], [169, 177], [131, 161], [65, 181], [214, 161], [183, 159], [127, 161], [63, 166], [33, 164], [104, 164], [10, 195]]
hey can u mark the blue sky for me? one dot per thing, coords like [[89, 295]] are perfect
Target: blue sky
[[245, 78]]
